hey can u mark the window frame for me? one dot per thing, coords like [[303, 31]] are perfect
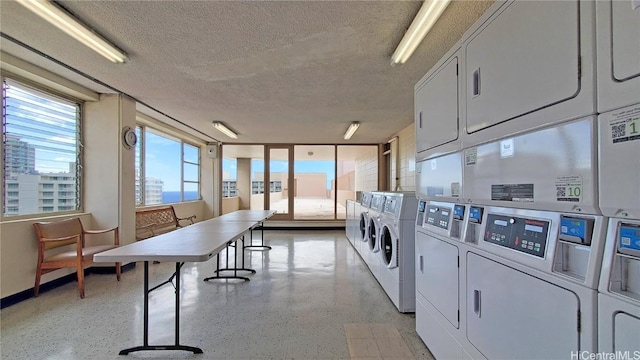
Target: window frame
[[142, 130], [53, 95]]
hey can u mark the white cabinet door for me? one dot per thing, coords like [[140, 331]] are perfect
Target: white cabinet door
[[436, 103], [437, 277], [512, 315], [618, 28], [525, 58]]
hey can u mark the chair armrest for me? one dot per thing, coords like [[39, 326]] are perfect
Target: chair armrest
[[190, 218], [116, 236], [100, 231]]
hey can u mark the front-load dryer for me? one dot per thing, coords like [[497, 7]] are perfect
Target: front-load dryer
[[397, 250]]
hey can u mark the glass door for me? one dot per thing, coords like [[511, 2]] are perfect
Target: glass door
[[277, 182]]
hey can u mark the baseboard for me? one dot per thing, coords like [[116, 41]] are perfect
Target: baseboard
[[27, 294]]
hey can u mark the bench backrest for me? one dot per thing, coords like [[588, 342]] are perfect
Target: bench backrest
[[150, 222]]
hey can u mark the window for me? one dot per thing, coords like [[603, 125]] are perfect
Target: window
[[41, 143], [167, 168]]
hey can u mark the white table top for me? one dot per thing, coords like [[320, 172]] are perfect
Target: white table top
[[247, 215], [194, 243]]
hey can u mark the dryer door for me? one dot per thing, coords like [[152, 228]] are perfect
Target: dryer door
[[389, 247], [513, 315]]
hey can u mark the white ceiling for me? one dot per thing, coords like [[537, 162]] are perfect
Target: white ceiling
[[274, 71]]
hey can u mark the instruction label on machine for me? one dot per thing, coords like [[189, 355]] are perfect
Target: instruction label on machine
[[625, 125], [470, 156], [512, 192], [569, 188]]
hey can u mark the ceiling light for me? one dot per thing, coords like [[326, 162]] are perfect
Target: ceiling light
[[352, 129], [74, 28], [422, 23], [225, 130]]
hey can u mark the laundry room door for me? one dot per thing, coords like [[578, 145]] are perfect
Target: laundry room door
[[278, 181]]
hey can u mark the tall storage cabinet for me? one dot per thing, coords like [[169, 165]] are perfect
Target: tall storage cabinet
[[437, 107], [618, 52], [529, 64]]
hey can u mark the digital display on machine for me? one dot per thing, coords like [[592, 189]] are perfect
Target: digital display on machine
[[438, 217], [458, 212], [629, 239], [525, 235], [475, 215], [576, 230]]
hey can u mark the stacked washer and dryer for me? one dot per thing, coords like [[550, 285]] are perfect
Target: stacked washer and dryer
[[618, 61], [512, 222]]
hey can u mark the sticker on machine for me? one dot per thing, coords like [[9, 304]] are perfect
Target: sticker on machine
[[470, 156], [455, 189], [569, 188], [512, 192], [625, 125]]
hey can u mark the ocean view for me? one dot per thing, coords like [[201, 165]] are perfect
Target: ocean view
[[174, 196]]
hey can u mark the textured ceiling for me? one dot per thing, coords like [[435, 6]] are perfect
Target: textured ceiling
[[274, 71]]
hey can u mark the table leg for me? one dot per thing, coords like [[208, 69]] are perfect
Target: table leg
[[235, 270], [145, 343], [262, 246]]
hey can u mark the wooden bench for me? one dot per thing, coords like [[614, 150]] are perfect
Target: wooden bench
[[156, 221]]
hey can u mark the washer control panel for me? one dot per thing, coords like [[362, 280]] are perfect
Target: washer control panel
[[525, 235], [629, 239], [438, 216]]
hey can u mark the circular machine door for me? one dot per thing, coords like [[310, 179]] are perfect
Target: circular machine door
[[373, 236], [363, 227], [388, 248]]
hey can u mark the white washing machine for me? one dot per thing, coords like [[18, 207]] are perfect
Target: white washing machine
[[530, 282], [362, 234], [397, 249], [619, 290], [349, 223], [372, 248]]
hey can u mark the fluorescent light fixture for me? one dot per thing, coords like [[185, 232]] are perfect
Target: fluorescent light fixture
[[225, 130], [422, 23], [351, 130], [74, 28]]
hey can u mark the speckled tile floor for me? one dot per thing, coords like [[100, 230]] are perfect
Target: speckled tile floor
[[310, 298]]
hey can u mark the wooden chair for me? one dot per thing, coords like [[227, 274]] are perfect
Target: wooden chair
[[70, 233]]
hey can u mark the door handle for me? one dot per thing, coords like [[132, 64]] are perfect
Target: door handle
[[476, 82], [421, 264], [420, 120], [476, 302]]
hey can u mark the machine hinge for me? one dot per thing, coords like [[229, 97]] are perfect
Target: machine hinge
[[579, 321], [457, 70], [458, 315], [458, 261]]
